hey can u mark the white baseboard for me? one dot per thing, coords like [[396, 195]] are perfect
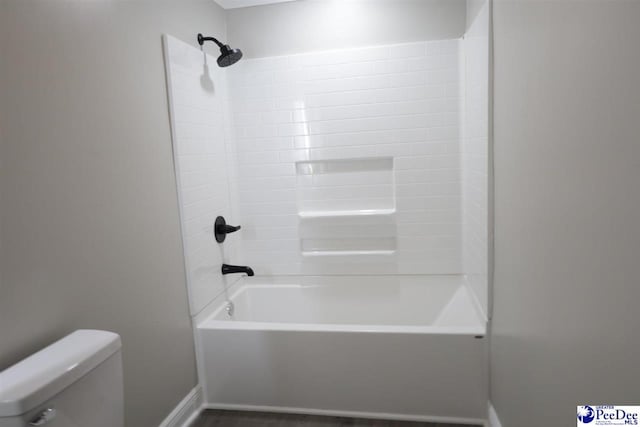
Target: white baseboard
[[494, 421], [186, 411], [349, 414]]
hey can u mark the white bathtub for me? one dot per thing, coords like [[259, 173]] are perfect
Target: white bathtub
[[396, 347]]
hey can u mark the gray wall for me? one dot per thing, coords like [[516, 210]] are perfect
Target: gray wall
[[567, 159], [302, 26], [89, 217], [474, 7]]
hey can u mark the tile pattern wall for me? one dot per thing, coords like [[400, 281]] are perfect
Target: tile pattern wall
[[203, 158], [401, 102], [475, 144]]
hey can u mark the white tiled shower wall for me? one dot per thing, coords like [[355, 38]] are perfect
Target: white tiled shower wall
[[204, 159], [345, 162], [475, 154], [337, 111]]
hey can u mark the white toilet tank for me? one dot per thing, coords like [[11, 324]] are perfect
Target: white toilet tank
[[74, 382]]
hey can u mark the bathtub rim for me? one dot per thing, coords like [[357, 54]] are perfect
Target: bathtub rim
[[209, 322]]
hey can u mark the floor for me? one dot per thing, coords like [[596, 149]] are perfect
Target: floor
[[216, 418]]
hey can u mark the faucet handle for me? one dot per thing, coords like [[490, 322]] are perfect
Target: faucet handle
[[221, 229]]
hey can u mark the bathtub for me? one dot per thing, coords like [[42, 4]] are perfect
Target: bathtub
[[393, 347]]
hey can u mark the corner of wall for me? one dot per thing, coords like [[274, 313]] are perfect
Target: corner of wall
[[186, 411], [493, 421]]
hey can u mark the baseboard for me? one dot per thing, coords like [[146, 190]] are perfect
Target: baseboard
[[494, 421], [349, 414], [186, 411]]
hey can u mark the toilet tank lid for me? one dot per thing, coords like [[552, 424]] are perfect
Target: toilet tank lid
[[42, 375]]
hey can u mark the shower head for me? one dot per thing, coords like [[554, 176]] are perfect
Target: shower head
[[228, 55]]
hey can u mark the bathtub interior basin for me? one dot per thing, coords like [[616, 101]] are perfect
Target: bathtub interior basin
[[437, 304]]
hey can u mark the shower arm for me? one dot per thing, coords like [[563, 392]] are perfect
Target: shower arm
[[202, 39]]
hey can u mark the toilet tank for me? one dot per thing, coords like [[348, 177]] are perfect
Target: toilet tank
[[74, 382]]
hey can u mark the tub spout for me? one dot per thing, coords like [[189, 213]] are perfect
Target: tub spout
[[230, 269]]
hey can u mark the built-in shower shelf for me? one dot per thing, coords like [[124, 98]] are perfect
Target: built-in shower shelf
[[358, 244], [345, 213], [347, 253], [346, 209]]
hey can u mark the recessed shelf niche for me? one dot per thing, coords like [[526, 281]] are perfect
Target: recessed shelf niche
[[346, 207]]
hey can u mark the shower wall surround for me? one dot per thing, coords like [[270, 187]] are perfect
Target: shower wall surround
[[356, 161], [204, 162], [475, 154], [349, 161]]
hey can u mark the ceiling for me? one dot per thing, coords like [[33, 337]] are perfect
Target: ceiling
[[234, 4]]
